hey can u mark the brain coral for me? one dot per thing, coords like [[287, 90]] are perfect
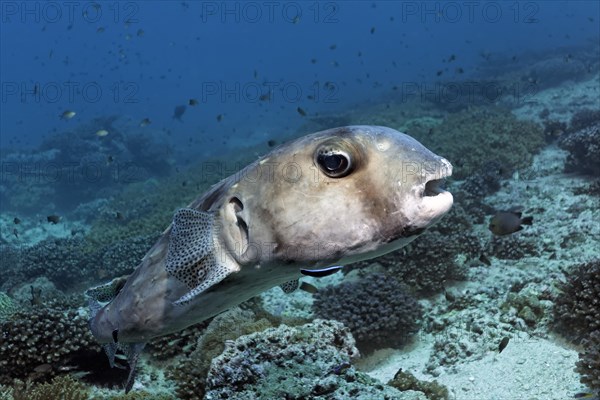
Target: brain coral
[[377, 309]]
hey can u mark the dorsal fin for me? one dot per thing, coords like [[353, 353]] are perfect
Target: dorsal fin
[[191, 256]]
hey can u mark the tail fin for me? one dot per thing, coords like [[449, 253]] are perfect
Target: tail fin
[[133, 355]]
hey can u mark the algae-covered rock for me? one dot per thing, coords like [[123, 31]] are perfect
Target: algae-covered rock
[[312, 361], [404, 381], [190, 372]]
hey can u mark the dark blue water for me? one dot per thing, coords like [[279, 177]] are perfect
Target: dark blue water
[[142, 59]]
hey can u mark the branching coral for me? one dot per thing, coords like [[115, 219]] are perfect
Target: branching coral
[[53, 334], [62, 387]]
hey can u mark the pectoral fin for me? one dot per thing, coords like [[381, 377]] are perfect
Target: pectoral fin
[[191, 257]]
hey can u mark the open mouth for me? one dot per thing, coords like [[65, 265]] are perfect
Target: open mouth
[[437, 184], [434, 187]]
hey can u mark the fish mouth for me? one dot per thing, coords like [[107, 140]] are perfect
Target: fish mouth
[[436, 201], [434, 187], [435, 198], [436, 182]]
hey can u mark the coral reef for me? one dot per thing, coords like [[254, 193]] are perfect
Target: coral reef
[[584, 150], [591, 189], [190, 372], [525, 305], [377, 309], [431, 260], [62, 387], [134, 395], [589, 361], [62, 261], [53, 334], [577, 317], [513, 247], [576, 310], [475, 137], [122, 257], [146, 207], [484, 182], [583, 119], [71, 167], [310, 361], [7, 307], [65, 261]]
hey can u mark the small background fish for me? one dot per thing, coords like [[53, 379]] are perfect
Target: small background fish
[[507, 222]]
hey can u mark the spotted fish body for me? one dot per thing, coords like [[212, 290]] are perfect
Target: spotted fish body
[[330, 198]]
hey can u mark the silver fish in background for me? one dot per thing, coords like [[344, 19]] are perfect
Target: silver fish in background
[[327, 199]]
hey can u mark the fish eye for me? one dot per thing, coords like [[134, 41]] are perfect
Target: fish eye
[[335, 163]]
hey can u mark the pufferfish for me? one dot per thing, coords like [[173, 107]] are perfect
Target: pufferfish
[[326, 199]]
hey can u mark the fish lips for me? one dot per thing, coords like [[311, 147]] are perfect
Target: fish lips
[[435, 201]]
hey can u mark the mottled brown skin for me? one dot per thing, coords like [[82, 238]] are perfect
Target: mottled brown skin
[[281, 214]]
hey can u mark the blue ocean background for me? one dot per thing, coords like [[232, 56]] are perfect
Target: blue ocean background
[[142, 59]]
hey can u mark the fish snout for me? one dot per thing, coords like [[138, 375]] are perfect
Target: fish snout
[[433, 199]]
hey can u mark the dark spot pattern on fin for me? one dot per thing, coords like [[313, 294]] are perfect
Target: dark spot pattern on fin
[[289, 286], [319, 273], [191, 256], [108, 291], [190, 242]]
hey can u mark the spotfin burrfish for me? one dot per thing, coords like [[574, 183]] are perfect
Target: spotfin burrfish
[[327, 199]]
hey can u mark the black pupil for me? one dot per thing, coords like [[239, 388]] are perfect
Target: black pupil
[[334, 162]]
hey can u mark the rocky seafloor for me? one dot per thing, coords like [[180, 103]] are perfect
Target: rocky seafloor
[[423, 323]]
